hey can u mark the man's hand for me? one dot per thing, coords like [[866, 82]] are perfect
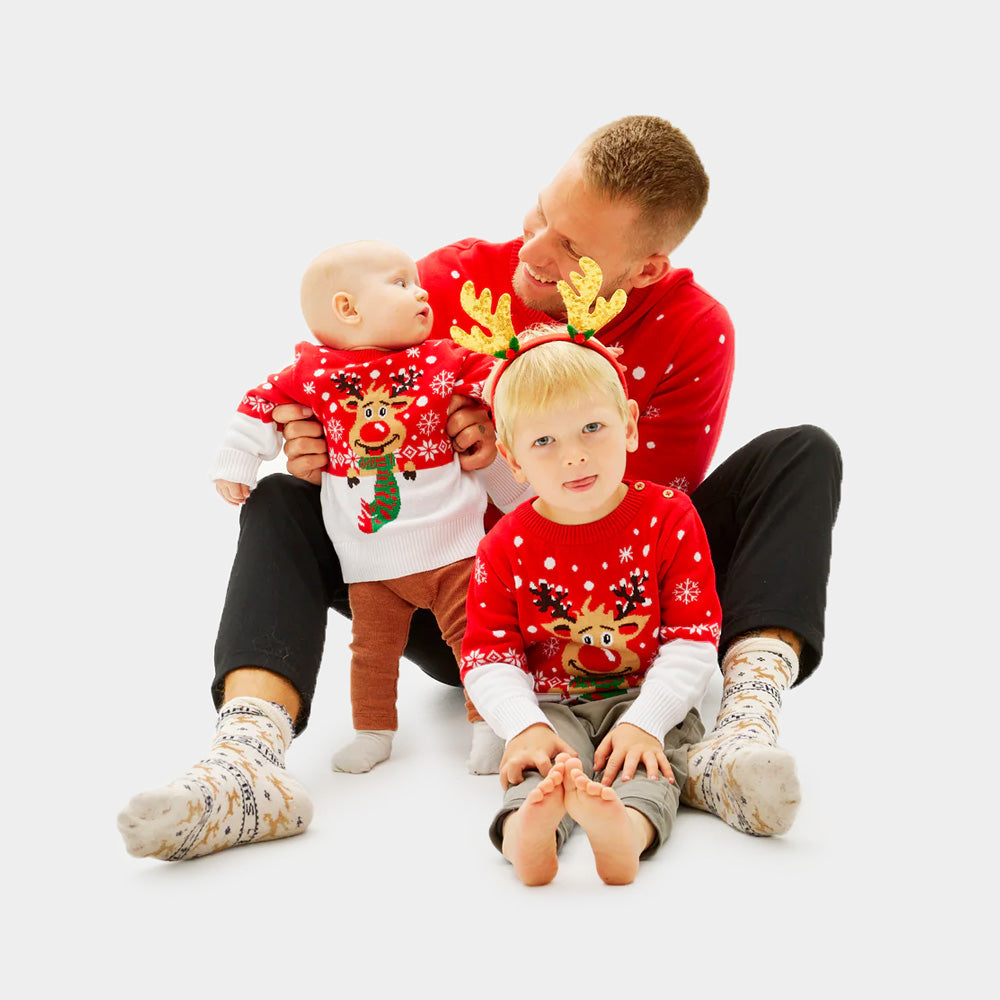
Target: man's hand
[[305, 446], [625, 748], [531, 750], [234, 493], [472, 433]]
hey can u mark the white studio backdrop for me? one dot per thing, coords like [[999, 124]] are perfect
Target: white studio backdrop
[[170, 169]]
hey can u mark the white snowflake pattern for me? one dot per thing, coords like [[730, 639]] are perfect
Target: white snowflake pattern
[[625, 555], [309, 388], [650, 412], [427, 450], [428, 423], [480, 572], [257, 404], [334, 430], [687, 591], [413, 352], [551, 647], [680, 483], [474, 658], [442, 383]]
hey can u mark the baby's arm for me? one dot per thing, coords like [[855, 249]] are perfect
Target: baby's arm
[[251, 437]]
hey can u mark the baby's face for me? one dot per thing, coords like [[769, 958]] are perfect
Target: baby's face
[[390, 303]]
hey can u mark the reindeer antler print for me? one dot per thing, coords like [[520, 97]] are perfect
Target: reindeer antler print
[[631, 593], [553, 599], [404, 381], [501, 337], [579, 301], [349, 383]]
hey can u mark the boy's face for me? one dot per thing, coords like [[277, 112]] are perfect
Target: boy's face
[[574, 456], [384, 305]]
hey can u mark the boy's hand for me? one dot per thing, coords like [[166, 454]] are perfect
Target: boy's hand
[[472, 433], [305, 446], [625, 748], [234, 493], [531, 750]]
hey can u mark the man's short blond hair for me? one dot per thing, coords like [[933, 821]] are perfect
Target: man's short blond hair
[[645, 159], [548, 376]]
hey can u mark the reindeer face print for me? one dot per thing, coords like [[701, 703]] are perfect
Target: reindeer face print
[[376, 434], [596, 639]]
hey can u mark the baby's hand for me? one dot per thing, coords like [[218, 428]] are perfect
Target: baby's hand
[[234, 493], [625, 748]]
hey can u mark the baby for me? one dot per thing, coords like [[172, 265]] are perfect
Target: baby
[[403, 517]]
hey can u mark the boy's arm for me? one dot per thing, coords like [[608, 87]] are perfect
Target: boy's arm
[[690, 617], [494, 672]]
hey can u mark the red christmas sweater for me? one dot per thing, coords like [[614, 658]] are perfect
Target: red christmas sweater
[[677, 346], [580, 612], [395, 500]]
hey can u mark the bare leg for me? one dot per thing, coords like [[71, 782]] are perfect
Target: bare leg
[[254, 682], [618, 834], [529, 834]]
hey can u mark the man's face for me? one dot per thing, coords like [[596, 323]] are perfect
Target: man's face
[[570, 221]]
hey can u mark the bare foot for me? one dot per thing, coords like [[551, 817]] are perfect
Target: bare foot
[[605, 819], [529, 835]]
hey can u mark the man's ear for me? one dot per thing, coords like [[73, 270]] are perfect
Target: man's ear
[[508, 457], [652, 269], [632, 427], [344, 308]]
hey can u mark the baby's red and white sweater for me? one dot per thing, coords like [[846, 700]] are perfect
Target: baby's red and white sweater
[[579, 612], [395, 499]]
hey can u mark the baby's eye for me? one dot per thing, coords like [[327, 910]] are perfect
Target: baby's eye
[[595, 425], [542, 441], [401, 282]]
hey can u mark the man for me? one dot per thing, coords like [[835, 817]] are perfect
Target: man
[[627, 197]]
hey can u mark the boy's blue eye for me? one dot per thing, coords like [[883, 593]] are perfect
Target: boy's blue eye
[[542, 441], [591, 427], [401, 282]]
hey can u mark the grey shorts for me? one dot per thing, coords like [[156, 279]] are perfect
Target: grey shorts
[[583, 726]]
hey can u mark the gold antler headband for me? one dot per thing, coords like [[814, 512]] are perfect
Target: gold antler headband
[[583, 321]]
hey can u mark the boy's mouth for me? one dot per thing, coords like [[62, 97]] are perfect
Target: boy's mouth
[[580, 485]]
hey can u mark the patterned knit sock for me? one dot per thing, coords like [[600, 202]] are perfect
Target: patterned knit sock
[[238, 794], [368, 748], [737, 772], [486, 751]]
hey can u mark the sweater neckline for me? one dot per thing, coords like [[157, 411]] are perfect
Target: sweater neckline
[[582, 534]]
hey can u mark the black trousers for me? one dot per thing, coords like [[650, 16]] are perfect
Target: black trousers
[[768, 511]]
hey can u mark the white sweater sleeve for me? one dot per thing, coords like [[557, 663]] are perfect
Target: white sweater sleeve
[[673, 685], [505, 697], [246, 443], [501, 486]]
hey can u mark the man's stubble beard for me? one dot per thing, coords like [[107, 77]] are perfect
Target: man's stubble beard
[[553, 306]]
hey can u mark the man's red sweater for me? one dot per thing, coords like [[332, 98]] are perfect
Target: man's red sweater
[[677, 344]]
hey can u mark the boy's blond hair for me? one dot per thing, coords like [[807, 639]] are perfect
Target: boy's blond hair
[[647, 160], [544, 376]]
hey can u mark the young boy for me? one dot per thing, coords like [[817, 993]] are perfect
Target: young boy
[[593, 620]]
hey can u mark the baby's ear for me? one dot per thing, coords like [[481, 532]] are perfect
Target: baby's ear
[[344, 308]]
